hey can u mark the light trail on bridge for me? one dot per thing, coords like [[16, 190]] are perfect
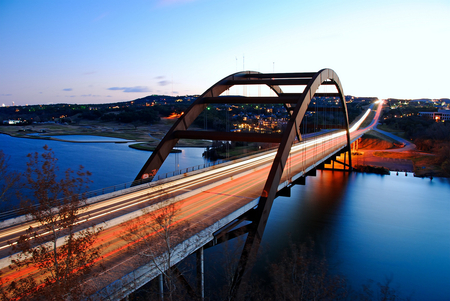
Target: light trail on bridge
[[199, 196], [118, 204]]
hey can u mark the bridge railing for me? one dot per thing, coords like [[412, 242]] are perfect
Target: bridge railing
[[98, 192], [102, 191]]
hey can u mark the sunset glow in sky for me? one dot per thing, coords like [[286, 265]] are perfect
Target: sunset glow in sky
[[108, 51]]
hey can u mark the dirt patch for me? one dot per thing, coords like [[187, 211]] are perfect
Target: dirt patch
[[368, 158], [374, 142], [377, 149], [424, 163]]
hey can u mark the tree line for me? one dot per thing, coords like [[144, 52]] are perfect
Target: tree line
[[151, 108]]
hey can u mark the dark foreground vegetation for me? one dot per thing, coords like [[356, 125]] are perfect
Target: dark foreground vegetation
[[301, 273], [372, 169], [52, 259]]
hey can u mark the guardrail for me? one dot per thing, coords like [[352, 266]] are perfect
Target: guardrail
[[98, 192]]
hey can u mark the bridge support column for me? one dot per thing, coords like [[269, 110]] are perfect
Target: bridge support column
[[161, 287], [200, 274], [345, 159]]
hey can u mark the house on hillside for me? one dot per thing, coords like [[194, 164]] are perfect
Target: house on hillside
[[11, 122]]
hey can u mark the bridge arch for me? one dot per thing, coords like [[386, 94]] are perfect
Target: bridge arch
[[296, 102]]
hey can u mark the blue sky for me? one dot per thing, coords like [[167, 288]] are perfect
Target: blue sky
[[108, 51]]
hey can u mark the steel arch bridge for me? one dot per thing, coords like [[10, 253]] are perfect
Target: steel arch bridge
[[296, 104], [257, 212]]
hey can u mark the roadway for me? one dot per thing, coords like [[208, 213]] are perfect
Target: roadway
[[202, 198]]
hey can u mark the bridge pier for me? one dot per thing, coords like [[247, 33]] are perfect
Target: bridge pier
[[200, 273], [161, 286], [355, 144], [341, 162]]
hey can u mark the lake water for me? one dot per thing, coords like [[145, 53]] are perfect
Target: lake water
[[372, 227], [110, 163], [369, 226]]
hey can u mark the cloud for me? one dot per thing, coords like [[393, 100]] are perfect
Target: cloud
[[90, 95], [89, 73], [5, 94], [68, 89], [164, 83], [159, 77], [131, 89]]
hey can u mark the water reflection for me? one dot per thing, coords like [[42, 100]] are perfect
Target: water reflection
[[371, 228]]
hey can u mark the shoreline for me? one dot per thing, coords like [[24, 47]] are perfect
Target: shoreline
[[139, 134], [146, 138]]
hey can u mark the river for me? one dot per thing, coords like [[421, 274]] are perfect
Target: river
[[369, 226]]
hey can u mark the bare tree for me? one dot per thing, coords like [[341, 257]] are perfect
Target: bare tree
[[57, 254], [158, 231], [382, 292], [301, 275]]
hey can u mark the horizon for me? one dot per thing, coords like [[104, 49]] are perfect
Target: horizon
[[196, 95], [81, 52]]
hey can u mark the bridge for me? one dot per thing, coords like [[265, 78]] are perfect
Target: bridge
[[215, 203]]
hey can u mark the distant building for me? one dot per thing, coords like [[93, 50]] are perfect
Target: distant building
[[440, 115], [11, 121]]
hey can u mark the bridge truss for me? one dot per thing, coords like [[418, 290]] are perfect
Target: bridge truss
[[296, 105]]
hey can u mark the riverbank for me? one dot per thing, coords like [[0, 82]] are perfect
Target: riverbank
[[147, 136], [377, 148], [396, 154]]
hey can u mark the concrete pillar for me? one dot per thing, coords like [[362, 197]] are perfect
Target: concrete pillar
[[161, 287], [345, 160], [201, 273]]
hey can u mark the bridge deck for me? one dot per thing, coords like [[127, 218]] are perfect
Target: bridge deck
[[207, 210]]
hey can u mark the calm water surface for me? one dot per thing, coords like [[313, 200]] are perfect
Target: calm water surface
[[370, 226], [110, 163]]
